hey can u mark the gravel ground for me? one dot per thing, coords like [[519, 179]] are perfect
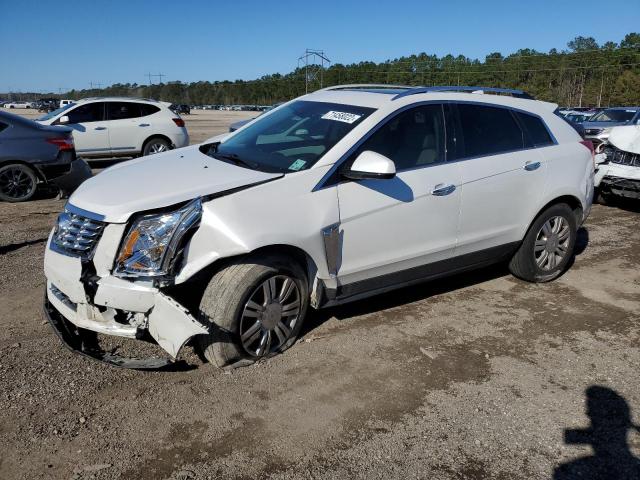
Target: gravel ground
[[478, 376]]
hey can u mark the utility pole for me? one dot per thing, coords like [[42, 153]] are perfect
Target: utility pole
[[98, 85], [160, 75], [601, 87], [313, 62], [148, 75]]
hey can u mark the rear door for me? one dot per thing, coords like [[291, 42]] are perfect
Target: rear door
[[393, 229], [503, 177], [90, 133], [129, 125]]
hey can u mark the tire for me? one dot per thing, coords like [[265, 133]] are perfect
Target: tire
[[529, 262], [155, 145], [18, 183], [233, 305]]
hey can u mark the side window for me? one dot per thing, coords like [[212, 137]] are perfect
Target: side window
[[146, 109], [123, 110], [3, 126], [413, 138], [89, 112], [538, 133], [488, 131]]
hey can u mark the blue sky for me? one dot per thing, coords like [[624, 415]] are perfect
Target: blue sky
[[53, 44]]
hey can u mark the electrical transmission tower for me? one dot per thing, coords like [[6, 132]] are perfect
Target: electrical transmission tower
[[313, 62], [157, 75]]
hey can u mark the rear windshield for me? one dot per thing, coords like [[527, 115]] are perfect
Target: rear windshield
[[292, 138], [613, 116]]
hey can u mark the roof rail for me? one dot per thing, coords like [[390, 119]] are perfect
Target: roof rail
[[357, 86], [514, 92]]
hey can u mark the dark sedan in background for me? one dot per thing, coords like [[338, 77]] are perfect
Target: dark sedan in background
[[32, 154]]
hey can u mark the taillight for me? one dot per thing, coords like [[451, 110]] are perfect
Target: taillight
[[589, 145], [178, 121], [62, 143]]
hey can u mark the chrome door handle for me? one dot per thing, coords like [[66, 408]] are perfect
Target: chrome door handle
[[442, 189], [144, 125], [100, 128], [531, 166]]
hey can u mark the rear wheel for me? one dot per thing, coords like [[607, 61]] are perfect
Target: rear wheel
[[255, 308], [548, 246], [18, 183], [155, 145]]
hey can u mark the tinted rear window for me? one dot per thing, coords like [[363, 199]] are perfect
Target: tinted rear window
[[3, 126], [535, 127], [488, 131]]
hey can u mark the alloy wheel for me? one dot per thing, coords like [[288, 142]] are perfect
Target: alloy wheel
[[552, 243], [157, 148], [270, 315], [16, 184]]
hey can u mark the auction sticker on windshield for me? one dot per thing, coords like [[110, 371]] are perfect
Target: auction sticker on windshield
[[341, 116]]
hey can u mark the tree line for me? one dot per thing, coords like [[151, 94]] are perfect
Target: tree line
[[583, 74]]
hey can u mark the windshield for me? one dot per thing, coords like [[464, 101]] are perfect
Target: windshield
[[292, 138], [56, 112], [613, 116]]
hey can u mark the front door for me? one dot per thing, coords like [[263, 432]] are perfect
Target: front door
[[90, 132], [393, 230]]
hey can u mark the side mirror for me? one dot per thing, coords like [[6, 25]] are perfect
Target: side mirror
[[63, 119], [371, 165]]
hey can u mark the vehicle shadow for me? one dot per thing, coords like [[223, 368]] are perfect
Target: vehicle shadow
[[612, 459], [421, 291], [402, 296]]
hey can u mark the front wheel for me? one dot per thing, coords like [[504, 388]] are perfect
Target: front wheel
[[548, 246], [18, 183], [255, 308]]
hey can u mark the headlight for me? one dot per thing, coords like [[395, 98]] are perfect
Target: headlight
[[153, 240]]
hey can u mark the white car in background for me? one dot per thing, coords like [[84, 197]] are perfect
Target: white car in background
[[120, 126], [335, 196], [18, 105], [618, 166]]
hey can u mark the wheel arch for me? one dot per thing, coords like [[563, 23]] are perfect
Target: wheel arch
[[574, 203], [31, 166], [156, 135], [197, 282]]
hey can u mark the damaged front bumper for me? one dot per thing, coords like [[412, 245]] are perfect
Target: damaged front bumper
[[620, 180], [82, 300]]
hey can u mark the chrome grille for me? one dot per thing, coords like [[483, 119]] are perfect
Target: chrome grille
[[76, 235]]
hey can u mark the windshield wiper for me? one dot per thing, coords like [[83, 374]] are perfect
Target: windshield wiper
[[232, 157]]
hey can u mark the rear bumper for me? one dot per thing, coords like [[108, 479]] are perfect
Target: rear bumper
[[79, 171]]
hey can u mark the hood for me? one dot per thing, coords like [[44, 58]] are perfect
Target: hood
[[159, 181], [626, 138]]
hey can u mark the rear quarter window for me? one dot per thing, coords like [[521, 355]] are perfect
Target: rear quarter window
[[488, 130], [538, 134], [3, 126], [146, 109]]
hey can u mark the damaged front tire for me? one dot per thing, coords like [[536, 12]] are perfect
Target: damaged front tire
[[255, 308]]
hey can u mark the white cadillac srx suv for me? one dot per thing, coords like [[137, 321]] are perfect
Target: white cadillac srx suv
[[332, 197]]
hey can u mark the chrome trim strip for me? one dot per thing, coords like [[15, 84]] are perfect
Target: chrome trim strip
[[84, 213], [331, 239]]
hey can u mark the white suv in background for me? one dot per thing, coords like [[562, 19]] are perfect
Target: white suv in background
[[113, 126], [335, 196]]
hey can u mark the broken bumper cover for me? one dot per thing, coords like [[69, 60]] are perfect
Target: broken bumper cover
[[623, 187], [84, 342], [78, 173], [112, 306]]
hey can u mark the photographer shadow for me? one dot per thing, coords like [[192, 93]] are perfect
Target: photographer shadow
[[610, 424]]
